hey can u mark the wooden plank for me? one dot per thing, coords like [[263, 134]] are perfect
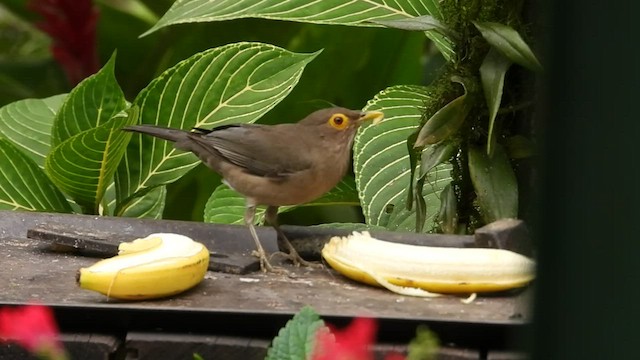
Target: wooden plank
[[262, 302], [450, 353], [91, 346], [506, 355], [77, 346], [141, 345]]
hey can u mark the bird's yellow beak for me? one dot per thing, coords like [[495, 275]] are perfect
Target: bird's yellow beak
[[375, 116]]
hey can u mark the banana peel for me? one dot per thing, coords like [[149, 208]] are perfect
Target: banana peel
[[427, 271], [159, 265]]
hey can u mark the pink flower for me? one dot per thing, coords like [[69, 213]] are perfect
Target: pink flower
[[352, 343], [32, 327], [71, 24]]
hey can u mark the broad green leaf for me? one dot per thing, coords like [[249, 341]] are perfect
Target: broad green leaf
[[83, 165], [495, 184], [419, 23], [492, 71], [225, 206], [436, 154], [27, 123], [335, 12], [150, 205], [448, 216], [91, 103], [381, 161], [507, 40], [236, 83], [24, 186], [401, 219], [297, 339], [445, 122]]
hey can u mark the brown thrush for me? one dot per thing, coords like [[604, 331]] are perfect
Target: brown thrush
[[275, 165]]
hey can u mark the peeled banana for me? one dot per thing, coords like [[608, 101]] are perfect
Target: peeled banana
[[427, 271], [157, 266]]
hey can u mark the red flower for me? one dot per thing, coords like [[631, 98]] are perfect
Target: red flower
[[32, 327], [71, 24], [352, 343]]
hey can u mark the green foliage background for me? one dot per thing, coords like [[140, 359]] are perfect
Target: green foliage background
[[433, 95]]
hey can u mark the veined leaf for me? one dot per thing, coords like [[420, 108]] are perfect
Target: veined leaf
[[84, 164], [448, 216], [336, 12], [445, 122], [236, 83], [149, 206], [507, 40], [27, 123], [419, 23], [381, 161], [398, 218], [91, 103], [495, 184], [225, 206], [24, 186], [492, 71], [297, 339], [435, 155]]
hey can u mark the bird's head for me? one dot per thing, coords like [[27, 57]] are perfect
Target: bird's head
[[340, 122]]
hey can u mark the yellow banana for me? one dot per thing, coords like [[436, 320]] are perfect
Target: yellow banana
[[156, 266], [422, 270]]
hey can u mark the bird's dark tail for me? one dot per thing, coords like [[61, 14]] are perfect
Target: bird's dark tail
[[158, 131]]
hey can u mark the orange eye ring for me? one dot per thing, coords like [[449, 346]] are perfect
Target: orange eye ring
[[339, 121]]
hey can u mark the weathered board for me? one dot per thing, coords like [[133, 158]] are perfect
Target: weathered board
[[254, 305]]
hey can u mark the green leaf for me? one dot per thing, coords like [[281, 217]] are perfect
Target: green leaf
[[335, 12], [297, 339], [149, 206], [91, 103], [24, 186], [83, 165], [382, 166], [509, 42], [226, 206], [436, 154], [413, 165], [401, 219], [419, 23], [236, 83], [448, 216], [492, 72], [445, 122], [424, 346], [495, 184], [27, 123]]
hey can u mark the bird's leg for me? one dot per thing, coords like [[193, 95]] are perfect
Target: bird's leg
[[249, 215], [271, 215]]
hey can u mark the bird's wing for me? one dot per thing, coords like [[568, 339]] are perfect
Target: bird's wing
[[260, 150]]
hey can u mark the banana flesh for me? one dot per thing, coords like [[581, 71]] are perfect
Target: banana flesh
[[427, 271], [157, 266]]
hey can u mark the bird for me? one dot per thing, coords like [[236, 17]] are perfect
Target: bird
[[274, 165]]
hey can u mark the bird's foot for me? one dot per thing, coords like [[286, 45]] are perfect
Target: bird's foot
[[265, 265], [297, 260]]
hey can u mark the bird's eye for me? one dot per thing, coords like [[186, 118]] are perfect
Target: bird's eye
[[338, 121]]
